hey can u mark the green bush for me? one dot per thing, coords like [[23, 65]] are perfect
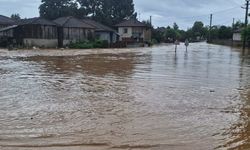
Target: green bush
[[89, 44]]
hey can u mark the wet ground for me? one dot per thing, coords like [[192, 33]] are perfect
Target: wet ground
[[131, 99]]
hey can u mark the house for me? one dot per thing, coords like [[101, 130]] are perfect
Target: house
[[103, 32], [133, 30], [237, 39], [237, 35], [71, 29], [32, 32], [6, 21]]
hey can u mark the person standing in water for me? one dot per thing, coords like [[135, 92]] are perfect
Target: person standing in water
[[186, 44], [176, 43]]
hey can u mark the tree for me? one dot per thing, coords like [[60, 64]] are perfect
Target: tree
[[214, 33], [246, 32], [225, 32], [170, 34], [89, 7], [15, 17], [158, 34], [109, 12], [238, 25], [52, 9], [176, 27], [197, 27]]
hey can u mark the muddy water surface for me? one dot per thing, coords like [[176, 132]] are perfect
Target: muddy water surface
[[145, 98]]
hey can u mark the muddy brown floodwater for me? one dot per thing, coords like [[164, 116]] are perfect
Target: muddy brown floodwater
[[127, 99]]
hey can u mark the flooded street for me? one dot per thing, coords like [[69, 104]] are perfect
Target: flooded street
[[127, 99]]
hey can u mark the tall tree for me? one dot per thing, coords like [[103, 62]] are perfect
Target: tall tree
[[15, 17], [52, 9], [89, 7], [109, 12], [175, 26]]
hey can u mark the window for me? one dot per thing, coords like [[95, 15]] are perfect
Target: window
[[125, 30]]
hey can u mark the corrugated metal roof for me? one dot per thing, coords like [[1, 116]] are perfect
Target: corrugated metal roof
[[8, 28], [72, 22], [37, 20], [131, 23], [98, 26], [6, 20]]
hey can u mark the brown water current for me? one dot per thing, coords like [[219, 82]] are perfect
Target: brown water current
[[125, 99]]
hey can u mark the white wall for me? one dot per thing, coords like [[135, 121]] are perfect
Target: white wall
[[237, 37], [125, 35], [146, 35]]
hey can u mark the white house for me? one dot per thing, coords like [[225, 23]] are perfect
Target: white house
[[237, 36], [133, 30]]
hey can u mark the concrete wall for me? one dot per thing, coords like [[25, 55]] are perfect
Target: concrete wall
[[145, 34], [237, 37], [8, 33], [125, 35], [105, 36], [47, 43]]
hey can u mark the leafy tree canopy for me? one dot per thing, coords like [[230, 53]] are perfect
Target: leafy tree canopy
[[109, 12], [15, 17]]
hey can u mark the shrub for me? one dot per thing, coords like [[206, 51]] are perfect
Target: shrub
[[81, 45], [89, 44]]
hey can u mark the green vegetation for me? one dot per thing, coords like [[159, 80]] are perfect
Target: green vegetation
[[109, 12], [198, 32], [89, 44], [246, 32], [170, 34], [15, 16]]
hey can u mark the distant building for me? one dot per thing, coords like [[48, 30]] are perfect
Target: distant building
[[237, 38], [133, 30], [6, 21], [103, 32], [237, 35], [32, 32], [73, 30]]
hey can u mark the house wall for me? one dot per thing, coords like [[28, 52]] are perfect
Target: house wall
[[36, 35], [147, 35], [37, 32], [8, 33], [140, 32], [3, 26], [48, 43], [76, 35], [237, 37], [106, 36], [125, 35]]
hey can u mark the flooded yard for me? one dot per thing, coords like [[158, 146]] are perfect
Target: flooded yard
[[131, 99]]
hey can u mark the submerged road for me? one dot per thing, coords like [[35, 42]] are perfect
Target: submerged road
[[132, 99]]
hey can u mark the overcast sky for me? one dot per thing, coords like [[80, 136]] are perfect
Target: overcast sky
[[164, 12]]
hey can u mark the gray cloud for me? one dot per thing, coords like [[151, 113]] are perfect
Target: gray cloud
[[164, 12]]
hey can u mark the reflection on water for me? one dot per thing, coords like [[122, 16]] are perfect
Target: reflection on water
[[145, 98]]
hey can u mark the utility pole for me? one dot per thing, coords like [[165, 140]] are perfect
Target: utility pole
[[210, 27], [246, 23], [150, 20], [233, 29], [151, 27], [233, 24]]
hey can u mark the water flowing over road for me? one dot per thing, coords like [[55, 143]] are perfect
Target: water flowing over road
[[132, 99]]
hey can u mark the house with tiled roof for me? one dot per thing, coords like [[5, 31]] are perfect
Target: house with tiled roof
[[133, 30], [103, 32], [32, 32], [71, 29], [6, 21]]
